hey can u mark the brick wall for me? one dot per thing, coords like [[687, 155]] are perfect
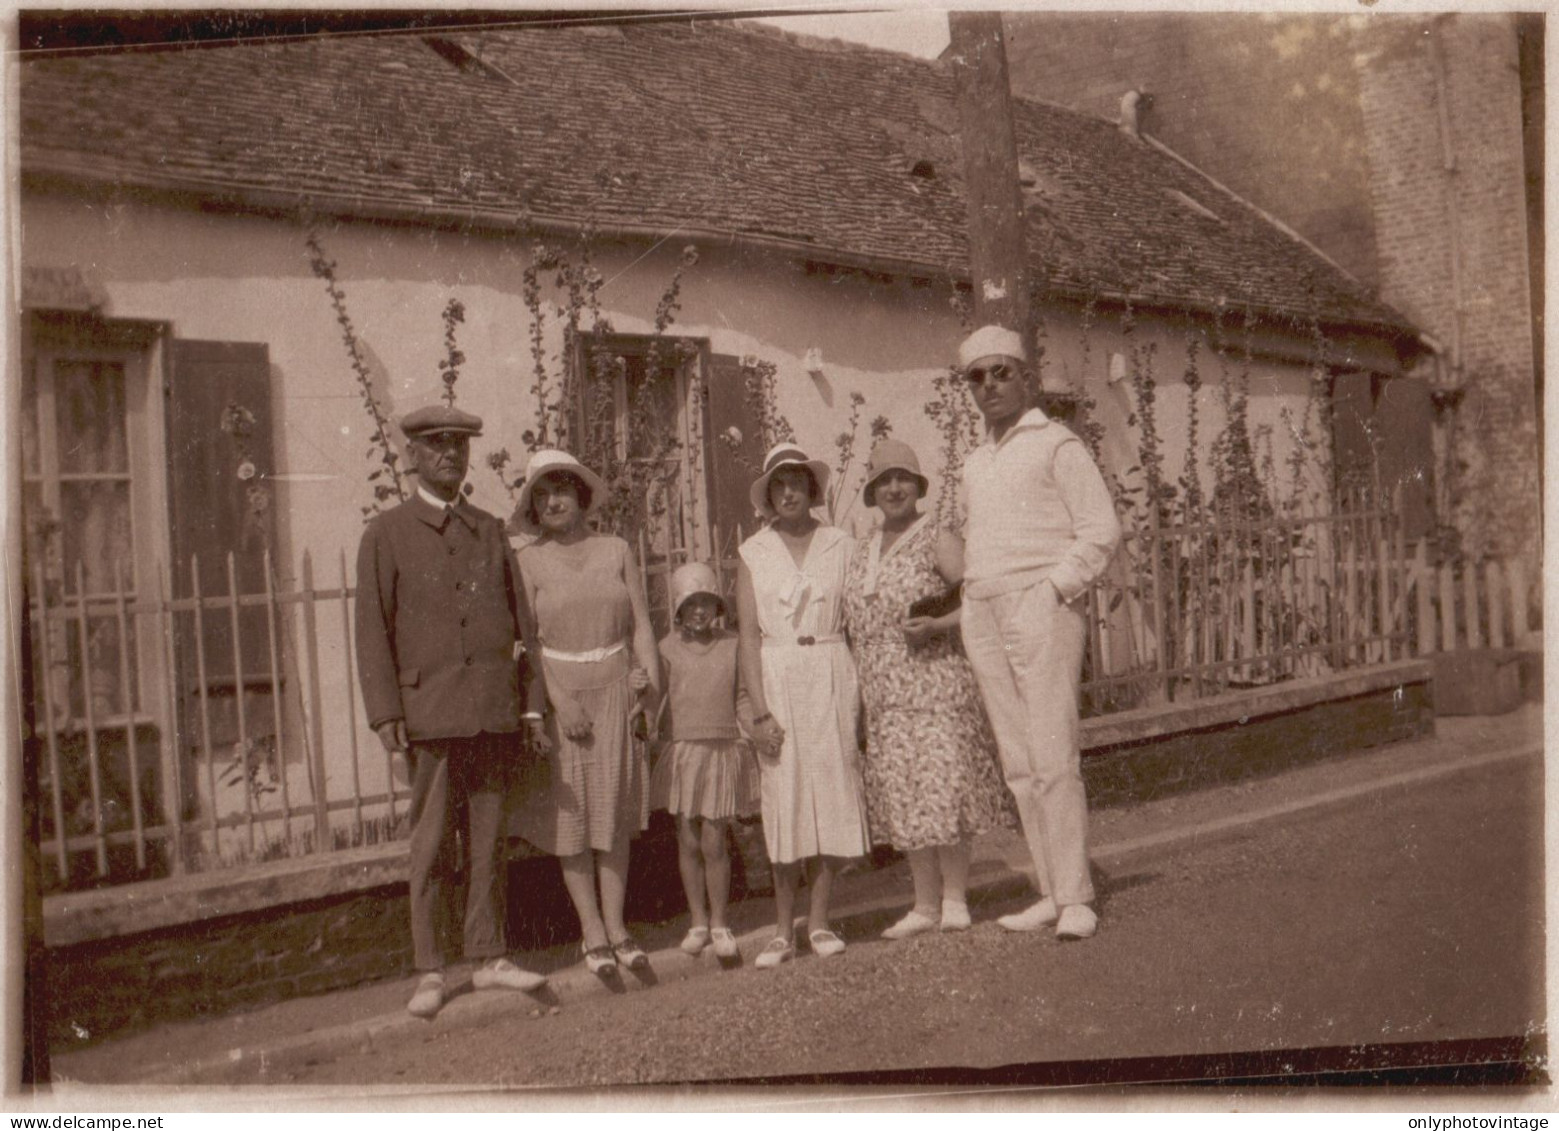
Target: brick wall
[[107, 986], [1141, 771], [1452, 244], [285, 944]]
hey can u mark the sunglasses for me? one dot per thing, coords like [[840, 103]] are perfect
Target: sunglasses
[[996, 374]]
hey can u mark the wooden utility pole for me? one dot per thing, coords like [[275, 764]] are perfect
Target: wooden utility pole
[[998, 251]]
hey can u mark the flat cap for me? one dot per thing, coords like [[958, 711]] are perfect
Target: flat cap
[[440, 418]]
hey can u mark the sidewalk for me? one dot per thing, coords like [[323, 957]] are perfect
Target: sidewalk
[[234, 1047]]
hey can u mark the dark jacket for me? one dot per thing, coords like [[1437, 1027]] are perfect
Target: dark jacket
[[439, 610]]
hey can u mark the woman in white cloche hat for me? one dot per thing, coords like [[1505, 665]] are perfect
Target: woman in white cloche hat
[[797, 669]]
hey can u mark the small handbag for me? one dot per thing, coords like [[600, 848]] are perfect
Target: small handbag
[[937, 604]]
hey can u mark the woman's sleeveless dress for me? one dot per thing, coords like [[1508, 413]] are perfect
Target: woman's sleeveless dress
[[591, 794], [813, 802]]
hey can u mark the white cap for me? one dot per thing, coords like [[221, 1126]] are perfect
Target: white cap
[[990, 341]]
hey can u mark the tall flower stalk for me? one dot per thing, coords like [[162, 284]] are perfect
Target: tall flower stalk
[[386, 477], [449, 367]]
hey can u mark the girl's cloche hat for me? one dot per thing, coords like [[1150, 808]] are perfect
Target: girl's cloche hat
[[692, 580], [785, 455], [891, 455], [549, 461]]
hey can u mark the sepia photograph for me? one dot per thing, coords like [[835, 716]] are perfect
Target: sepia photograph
[[689, 559]]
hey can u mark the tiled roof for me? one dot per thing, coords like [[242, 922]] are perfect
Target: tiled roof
[[700, 127]]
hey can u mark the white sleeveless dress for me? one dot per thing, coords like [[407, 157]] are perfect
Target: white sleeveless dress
[[813, 801]]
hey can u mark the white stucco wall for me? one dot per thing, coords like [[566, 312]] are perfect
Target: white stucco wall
[[230, 278]]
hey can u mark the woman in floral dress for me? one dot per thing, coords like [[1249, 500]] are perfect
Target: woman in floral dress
[[932, 775]]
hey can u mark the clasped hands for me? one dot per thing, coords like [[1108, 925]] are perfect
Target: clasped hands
[[770, 736]]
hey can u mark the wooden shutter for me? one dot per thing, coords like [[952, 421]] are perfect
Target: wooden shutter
[[1404, 419], [211, 515], [732, 468], [1353, 411]]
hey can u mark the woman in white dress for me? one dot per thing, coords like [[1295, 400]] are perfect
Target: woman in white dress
[[805, 698]]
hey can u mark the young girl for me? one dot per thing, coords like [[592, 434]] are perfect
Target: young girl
[[707, 775]]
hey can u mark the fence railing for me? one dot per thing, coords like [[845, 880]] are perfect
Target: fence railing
[[1198, 609], [177, 734]]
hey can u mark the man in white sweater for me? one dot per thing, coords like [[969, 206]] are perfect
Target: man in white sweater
[[1039, 530]]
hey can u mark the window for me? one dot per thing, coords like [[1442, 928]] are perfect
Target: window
[[127, 481], [638, 424], [93, 515], [669, 422]]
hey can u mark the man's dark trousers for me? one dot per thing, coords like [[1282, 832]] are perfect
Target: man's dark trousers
[[451, 777]]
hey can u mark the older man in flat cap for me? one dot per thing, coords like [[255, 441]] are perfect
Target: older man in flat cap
[[1040, 529], [439, 611]]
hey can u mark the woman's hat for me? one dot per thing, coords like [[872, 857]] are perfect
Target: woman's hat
[[548, 461], [785, 455], [690, 581], [891, 455]]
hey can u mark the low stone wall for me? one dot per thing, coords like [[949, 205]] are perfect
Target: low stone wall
[[121, 959], [1146, 754]]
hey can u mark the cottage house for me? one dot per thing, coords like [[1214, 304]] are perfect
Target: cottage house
[[187, 394]]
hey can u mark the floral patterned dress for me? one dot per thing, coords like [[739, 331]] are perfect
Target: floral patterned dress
[[932, 772]]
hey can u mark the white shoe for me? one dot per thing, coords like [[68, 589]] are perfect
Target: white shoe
[[1042, 914], [911, 925], [779, 950], [955, 916], [429, 998], [1078, 921], [501, 974], [696, 939], [724, 942], [825, 944]]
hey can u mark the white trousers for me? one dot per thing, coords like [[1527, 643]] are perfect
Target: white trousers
[[1026, 649]]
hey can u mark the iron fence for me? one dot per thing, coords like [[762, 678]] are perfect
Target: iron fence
[[176, 734]]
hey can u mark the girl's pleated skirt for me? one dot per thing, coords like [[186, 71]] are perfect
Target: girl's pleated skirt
[[717, 779]]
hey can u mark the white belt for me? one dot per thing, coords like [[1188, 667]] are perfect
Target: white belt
[[590, 657], [801, 641]]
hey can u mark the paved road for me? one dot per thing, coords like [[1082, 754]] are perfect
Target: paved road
[[1413, 915]]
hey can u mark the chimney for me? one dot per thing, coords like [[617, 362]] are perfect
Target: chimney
[[1135, 105]]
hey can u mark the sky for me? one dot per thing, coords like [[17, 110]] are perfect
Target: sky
[[914, 32]]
